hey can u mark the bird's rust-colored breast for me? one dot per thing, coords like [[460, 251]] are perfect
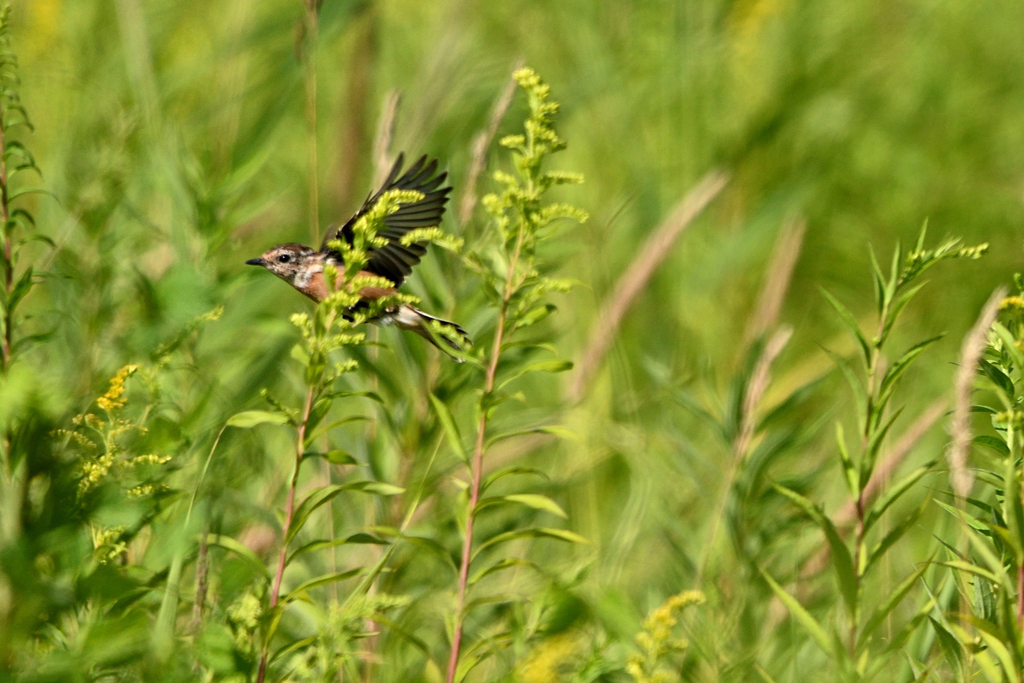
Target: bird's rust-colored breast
[[317, 288]]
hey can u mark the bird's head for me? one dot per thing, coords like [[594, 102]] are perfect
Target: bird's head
[[296, 264]]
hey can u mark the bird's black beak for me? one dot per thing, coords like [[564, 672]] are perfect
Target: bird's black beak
[[256, 262]]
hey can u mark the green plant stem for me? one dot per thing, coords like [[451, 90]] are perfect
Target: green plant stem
[[300, 442], [312, 38], [876, 353], [478, 458]]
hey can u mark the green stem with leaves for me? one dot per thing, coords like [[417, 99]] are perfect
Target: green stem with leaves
[[478, 459], [275, 590]]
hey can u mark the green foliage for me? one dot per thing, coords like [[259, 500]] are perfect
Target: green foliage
[[339, 501]]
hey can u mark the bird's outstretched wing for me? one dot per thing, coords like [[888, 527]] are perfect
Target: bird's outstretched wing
[[395, 260]]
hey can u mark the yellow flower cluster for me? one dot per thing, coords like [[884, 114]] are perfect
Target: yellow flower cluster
[[549, 660], [1015, 303], [656, 640], [112, 400], [108, 543], [93, 472]]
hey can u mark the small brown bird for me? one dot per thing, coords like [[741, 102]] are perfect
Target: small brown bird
[[303, 267]]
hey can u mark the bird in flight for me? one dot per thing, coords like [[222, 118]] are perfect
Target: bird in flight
[[303, 267]]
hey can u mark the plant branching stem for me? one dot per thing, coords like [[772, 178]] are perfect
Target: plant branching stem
[[478, 457], [300, 442]]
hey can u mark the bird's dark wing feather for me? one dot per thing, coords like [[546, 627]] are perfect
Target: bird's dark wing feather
[[395, 260]]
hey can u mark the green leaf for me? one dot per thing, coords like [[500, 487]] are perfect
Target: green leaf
[[251, 418], [897, 369], [859, 392], [1009, 344], [992, 443], [302, 588], [451, 431], [535, 501], [851, 325], [1013, 511], [878, 435], [293, 647], [994, 639], [841, 560], [535, 316], [536, 532], [230, 544], [1004, 383], [20, 290], [509, 471], [893, 493], [558, 365], [895, 534], [308, 505], [335, 457], [802, 616], [879, 281], [327, 493], [501, 565], [895, 310], [354, 539], [325, 429], [561, 432], [849, 470], [889, 604]]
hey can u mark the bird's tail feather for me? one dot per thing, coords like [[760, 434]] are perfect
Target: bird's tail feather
[[444, 334]]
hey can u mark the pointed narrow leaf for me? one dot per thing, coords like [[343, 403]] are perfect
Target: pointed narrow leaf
[[849, 470], [535, 501], [841, 560], [501, 565], [302, 588], [998, 377], [537, 532], [354, 539], [889, 604], [509, 471], [859, 393], [293, 646], [802, 616], [558, 365], [1009, 344], [851, 325], [316, 434], [895, 534], [893, 493], [228, 543], [308, 505], [993, 444], [896, 370], [251, 418], [451, 431]]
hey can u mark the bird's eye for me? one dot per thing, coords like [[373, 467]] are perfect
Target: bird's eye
[[284, 258]]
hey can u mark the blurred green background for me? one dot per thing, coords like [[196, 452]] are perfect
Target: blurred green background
[[174, 135]]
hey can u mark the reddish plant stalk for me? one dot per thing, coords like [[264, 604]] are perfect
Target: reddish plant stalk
[[300, 442], [8, 252], [478, 457]]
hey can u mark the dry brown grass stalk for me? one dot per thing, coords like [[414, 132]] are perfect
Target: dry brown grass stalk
[[783, 260], [654, 251], [385, 135], [960, 427], [482, 142]]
